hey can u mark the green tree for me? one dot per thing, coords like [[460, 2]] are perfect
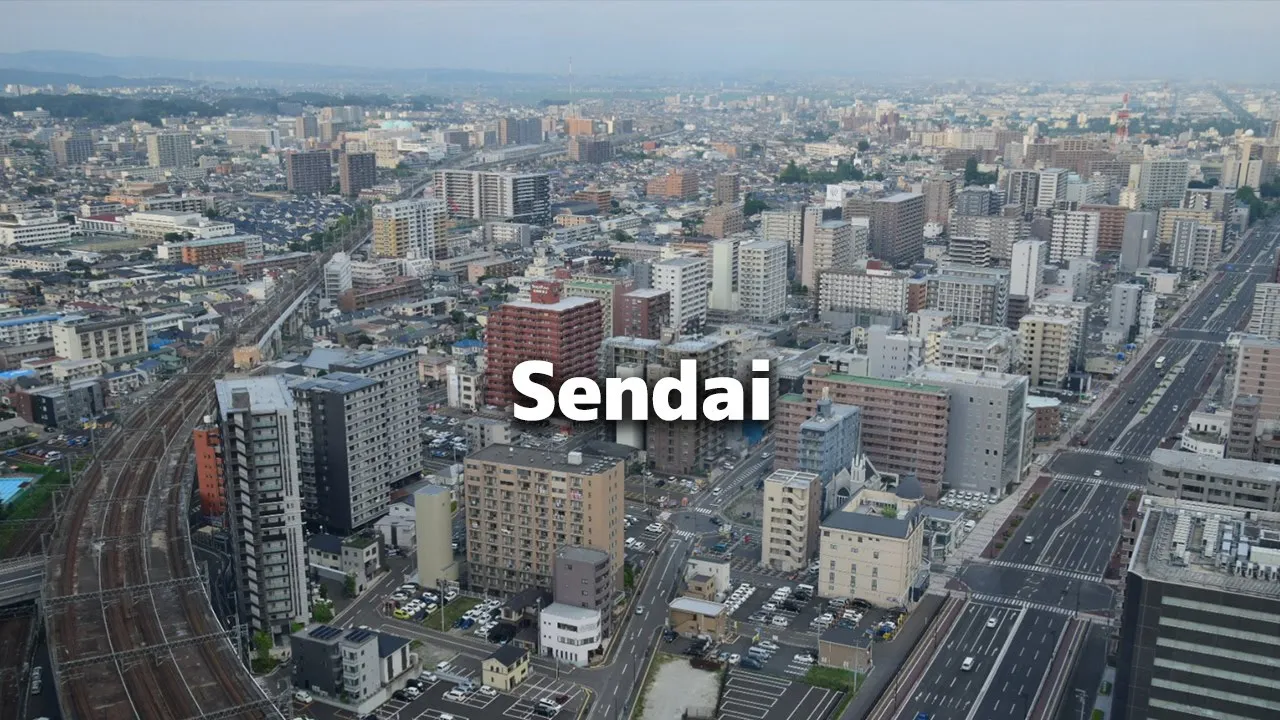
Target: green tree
[[973, 176], [863, 146], [263, 644], [349, 585], [211, 213], [173, 237], [322, 612], [620, 236], [753, 205], [458, 317], [889, 511]]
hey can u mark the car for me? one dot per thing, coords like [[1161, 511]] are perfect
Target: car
[[639, 609], [427, 676], [992, 622], [1063, 487], [1029, 539], [415, 684], [769, 607], [551, 705], [766, 455], [1097, 473], [751, 663], [968, 664], [1132, 401], [442, 666], [919, 716], [735, 658], [1175, 408], [1119, 460], [803, 658], [401, 695], [456, 695], [446, 716], [487, 691], [715, 491], [412, 692], [723, 657], [302, 696]]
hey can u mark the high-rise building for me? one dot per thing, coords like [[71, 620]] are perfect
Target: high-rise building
[[356, 171], [603, 199], [985, 445], [306, 126], [831, 248], [762, 280], [1111, 224], [1074, 234], [874, 290], [1255, 356], [970, 294], [830, 441], [1139, 240], [410, 228], [524, 505], [480, 195], [71, 147], [252, 139], [566, 333], [897, 228], [1047, 350], [1026, 271], [1169, 217], [999, 232], [724, 275], [337, 276], [519, 131], [728, 188], [687, 281], [588, 149], [211, 480], [792, 504], [1022, 189], [785, 225], [579, 126], [962, 250], [644, 313], [1200, 596], [76, 337], [685, 447], [1051, 188], [1125, 301], [260, 458], [1265, 317], [309, 173], [608, 290], [675, 185], [722, 221], [1163, 183], [939, 196], [973, 201], [170, 149], [1195, 246]]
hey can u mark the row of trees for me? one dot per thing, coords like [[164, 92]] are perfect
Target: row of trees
[[844, 171], [106, 110]]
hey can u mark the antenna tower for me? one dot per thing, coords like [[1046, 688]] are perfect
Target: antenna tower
[[1122, 121]]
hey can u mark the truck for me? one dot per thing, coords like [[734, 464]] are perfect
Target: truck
[[1160, 363]]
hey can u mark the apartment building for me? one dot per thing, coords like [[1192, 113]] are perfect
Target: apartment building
[[1074, 234], [411, 229], [71, 147], [1047, 350], [722, 221], [762, 280], [686, 447], [356, 172], [1201, 608], [675, 185], [986, 429], [519, 131], [26, 329], [566, 333], [1077, 312], [872, 549], [1022, 189], [607, 290], [1052, 187], [981, 348], [1141, 230], [644, 313], [1265, 317], [687, 282], [570, 634], [785, 225], [588, 149], [523, 505], [354, 664], [585, 577], [1163, 183], [939, 196], [76, 337], [830, 441], [897, 228], [1168, 218], [970, 294], [830, 248], [1195, 245], [1026, 270], [1254, 356], [875, 289], [260, 458], [792, 512], [904, 423], [728, 188], [208, 251], [170, 150], [481, 195], [308, 173], [1111, 222], [999, 233]]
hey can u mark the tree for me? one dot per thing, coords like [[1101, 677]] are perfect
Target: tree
[[458, 317], [889, 511], [322, 612], [211, 213], [973, 176], [863, 146], [753, 206], [173, 237], [349, 585], [620, 236], [263, 644]]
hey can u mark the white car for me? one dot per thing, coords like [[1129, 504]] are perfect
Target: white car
[[992, 622], [734, 659], [302, 696], [769, 607], [715, 491], [803, 659], [1029, 539], [442, 666], [1097, 473], [412, 692], [487, 691], [427, 676], [455, 695], [769, 645]]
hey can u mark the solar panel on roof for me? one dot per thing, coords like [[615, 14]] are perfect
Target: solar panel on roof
[[359, 635], [324, 632]]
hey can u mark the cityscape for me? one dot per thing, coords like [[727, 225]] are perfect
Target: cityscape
[[990, 326]]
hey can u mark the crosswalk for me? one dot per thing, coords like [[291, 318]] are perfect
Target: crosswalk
[[686, 534], [1051, 570], [1089, 480], [997, 600], [1110, 454], [704, 511]]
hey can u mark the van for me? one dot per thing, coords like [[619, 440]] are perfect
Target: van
[[970, 525], [805, 589], [779, 621], [759, 653]]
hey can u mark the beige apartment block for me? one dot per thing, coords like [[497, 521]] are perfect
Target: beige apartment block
[[792, 503]]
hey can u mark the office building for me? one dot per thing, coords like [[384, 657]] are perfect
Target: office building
[[687, 281], [939, 196], [1047, 348], [1265, 317], [675, 185], [71, 147], [566, 333], [523, 505], [1074, 234], [897, 228], [260, 458], [874, 289], [306, 126], [308, 173], [1051, 188], [76, 337], [1022, 190], [830, 248], [411, 229], [356, 171], [1125, 301], [1201, 598], [762, 280], [170, 150], [723, 221], [1215, 481], [587, 149], [997, 231], [1195, 245], [792, 512], [519, 131], [1026, 270], [1163, 183], [1140, 232], [253, 139], [585, 577], [986, 428], [872, 548], [728, 188], [1255, 355], [904, 423], [970, 294], [480, 195], [981, 348], [645, 313], [892, 355]]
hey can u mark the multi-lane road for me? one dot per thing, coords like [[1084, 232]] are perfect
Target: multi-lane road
[[1054, 562]]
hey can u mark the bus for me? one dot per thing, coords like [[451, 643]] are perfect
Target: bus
[[1160, 363]]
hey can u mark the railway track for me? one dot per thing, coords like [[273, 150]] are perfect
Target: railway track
[[131, 631]]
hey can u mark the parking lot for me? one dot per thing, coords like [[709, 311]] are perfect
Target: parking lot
[[751, 695], [517, 705]]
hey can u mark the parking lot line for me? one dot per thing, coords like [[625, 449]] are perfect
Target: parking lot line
[[729, 709], [737, 696]]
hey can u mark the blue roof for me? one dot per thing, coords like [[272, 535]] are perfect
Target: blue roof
[[468, 343], [28, 319]]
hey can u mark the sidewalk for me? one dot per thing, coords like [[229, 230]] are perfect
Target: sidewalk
[[888, 658], [992, 520]]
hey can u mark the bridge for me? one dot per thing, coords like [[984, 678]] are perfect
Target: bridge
[[21, 579]]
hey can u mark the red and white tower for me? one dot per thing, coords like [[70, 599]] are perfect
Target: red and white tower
[[1122, 121]]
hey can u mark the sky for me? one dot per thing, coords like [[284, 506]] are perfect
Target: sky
[[1037, 39]]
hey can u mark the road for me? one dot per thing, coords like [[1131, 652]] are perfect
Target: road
[[1053, 564]]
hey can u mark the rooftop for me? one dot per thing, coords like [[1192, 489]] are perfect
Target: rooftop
[[339, 382], [871, 522], [795, 479], [696, 606], [267, 394], [885, 383], [571, 612], [554, 461], [900, 197], [1221, 467], [568, 303], [957, 376]]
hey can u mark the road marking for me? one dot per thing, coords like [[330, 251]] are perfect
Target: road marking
[[991, 673]]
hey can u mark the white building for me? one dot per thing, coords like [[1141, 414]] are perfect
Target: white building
[[1052, 188], [76, 337], [874, 289], [26, 329], [1074, 234], [686, 280], [1265, 319], [1162, 183], [337, 275], [1195, 245], [33, 231], [830, 248], [724, 275], [170, 150], [1026, 271], [762, 279], [156, 224], [569, 633], [410, 229]]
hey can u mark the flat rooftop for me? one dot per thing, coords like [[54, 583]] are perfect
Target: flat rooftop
[[551, 460], [1221, 467], [795, 479], [568, 303], [977, 378], [888, 384]]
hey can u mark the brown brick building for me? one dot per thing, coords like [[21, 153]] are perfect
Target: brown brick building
[[566, 333], [644, 313], [675, 185], [1110, 225]]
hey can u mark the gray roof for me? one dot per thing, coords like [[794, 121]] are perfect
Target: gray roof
[[1221, 467], [909, 487], [508, 655], [845, 636], [578, 553], [556, 461], [325, 543], [388, 644], [872, 523], [339, 382]]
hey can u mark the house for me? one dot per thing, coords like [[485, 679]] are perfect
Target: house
[[506, 668], [569, 633], [352, 668], [399, 526], [691, 616], [357, 556]]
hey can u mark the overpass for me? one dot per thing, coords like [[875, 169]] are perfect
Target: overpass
[[21, 579]]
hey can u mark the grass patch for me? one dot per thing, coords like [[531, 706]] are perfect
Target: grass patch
[[1097, 714], [32, 502], [659, 659], [628, 577], [452, 611], [832, 679]]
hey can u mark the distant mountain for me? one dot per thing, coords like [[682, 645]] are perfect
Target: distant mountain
[[40, 77], [101, 66]]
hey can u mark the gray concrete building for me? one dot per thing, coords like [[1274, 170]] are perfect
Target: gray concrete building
[[584, 577]]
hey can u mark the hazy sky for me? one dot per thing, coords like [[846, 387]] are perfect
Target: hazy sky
[[1029, 39]]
